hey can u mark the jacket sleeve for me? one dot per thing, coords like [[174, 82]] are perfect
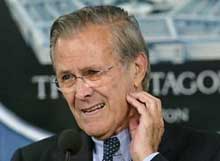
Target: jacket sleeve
[[159, 157]]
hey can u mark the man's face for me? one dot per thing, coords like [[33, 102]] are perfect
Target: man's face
[[102, 110]]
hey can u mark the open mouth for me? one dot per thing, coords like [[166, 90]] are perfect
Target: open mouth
[[93, 108]]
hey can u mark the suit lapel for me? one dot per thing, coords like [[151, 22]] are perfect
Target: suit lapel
[[85, 153], [86, 150], [172, 143]]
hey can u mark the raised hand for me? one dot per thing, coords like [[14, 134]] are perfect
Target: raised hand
[[147, 127]]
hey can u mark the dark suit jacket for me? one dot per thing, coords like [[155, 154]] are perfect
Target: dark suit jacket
[[178, 144]]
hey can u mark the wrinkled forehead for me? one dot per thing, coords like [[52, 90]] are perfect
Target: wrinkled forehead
[[91, 36], [89, 47]]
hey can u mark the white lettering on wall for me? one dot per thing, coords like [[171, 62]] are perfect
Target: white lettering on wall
[[171, 83], [176, 115], [45, 87]]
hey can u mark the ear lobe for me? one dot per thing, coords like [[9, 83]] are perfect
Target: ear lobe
[[141, 63]]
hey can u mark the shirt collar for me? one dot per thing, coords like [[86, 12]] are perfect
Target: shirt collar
[[124, 138]]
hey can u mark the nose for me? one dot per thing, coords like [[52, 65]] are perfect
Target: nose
[[82, 89]]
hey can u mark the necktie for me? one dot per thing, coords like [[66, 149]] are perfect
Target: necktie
[[111, 145]]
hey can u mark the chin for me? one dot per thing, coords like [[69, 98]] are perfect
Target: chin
[[97, 131]]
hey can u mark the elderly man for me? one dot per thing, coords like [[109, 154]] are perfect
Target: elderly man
[[102, 69]]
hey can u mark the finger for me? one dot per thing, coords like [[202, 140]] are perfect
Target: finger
[[141, 108], [133, 124], [153, 103], [144, 93], [145, 97], [156, 100]]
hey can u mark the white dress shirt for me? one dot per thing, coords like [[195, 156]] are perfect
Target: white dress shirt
[[123, 154]]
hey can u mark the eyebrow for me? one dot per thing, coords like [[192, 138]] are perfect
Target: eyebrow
[[91, 67], [94, 66]]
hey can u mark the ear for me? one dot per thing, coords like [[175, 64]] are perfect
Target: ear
[[141, 64]]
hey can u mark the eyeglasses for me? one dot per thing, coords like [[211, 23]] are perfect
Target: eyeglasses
[[93, 77]]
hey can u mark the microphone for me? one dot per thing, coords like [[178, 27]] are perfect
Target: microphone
[[69, 142]]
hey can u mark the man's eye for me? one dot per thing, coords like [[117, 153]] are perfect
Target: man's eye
[[92, 72], [66, 77]]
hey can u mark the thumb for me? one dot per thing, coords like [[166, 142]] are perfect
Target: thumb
[[133, 124]]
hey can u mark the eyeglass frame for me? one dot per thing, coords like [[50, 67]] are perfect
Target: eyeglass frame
[[83, 78]]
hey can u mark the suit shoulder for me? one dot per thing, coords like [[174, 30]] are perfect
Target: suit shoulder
[[193, 144], [38, 149], [202, 137], [194, 136], [205, 145], [42, 144]]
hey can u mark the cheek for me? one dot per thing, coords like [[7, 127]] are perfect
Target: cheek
[[121, 87], [117, 96]]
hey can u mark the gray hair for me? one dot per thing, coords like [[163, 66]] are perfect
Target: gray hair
[[127, 40]]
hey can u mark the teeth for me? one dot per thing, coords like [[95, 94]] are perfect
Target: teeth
[[94, 108]]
